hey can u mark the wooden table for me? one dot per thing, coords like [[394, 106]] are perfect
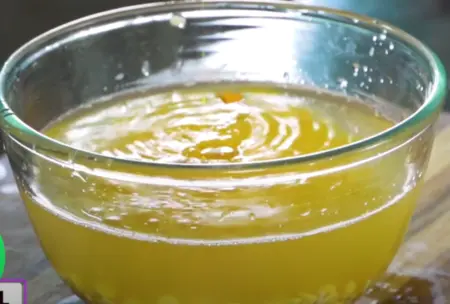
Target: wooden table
[[420, 273]]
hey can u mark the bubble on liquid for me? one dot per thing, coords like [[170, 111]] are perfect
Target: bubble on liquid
[[96, 210], [252, 216], [145, 68], [343, 83], [383, 36], [374, 38], [183, 220], [306, 213], [178, 21], [335, 185], [356, 67], [316, 126], [113, 218], [371, 51], [391, 46], [119, 76]]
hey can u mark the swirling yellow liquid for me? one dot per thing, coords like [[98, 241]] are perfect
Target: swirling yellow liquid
[[298, 232]]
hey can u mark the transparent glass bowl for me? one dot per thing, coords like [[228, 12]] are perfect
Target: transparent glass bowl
[[323, 257]]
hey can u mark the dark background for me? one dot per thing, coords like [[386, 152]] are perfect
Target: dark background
[[428, 20]]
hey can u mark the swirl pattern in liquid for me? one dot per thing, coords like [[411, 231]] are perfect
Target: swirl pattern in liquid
[[197, 127]]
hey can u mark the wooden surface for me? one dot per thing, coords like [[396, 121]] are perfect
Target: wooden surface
[[420, 273]]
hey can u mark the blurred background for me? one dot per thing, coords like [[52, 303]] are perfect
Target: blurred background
[[428, 20]]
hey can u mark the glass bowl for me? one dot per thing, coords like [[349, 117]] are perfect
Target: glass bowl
[[354, 202]]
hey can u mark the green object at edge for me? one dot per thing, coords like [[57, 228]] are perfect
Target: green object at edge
[[2, 257]]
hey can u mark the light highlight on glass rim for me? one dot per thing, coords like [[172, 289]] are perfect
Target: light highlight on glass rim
[[24, 133]]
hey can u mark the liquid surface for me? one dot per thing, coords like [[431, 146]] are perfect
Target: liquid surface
[[206, 127], [305, 232]]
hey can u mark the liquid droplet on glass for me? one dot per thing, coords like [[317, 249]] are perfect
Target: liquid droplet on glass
[[119, 76], [145, 69], [177, 66], [178, 21]]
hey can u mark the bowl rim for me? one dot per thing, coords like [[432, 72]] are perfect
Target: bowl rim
[[18, 130]]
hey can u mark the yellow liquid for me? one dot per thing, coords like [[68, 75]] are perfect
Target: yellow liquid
[[221, 236]]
